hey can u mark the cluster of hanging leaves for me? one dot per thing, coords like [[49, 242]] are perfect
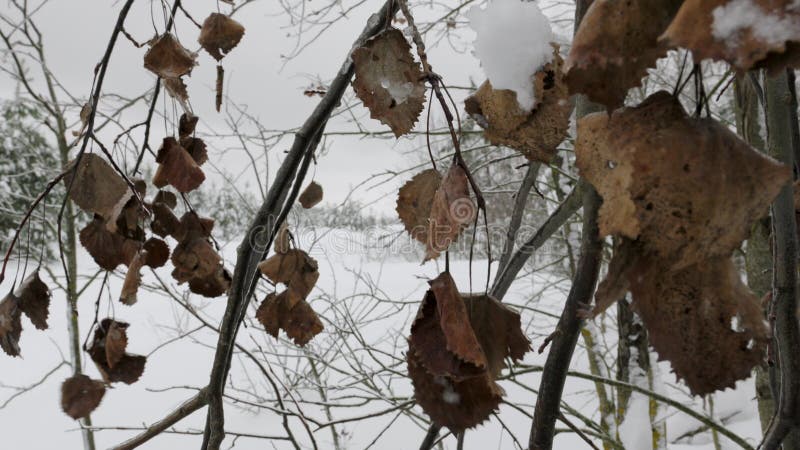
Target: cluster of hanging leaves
[[168, 59], [457, 348], [674, 246], [32, 298], [536, 133], [289, 311], [435, 209], [389, 81], [80, 395]]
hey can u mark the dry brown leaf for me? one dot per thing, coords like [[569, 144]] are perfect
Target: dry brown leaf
[[167, 58], [498, 329], [452, 210], [194, 258], [177, 167], [86, 110], [80, 395], [615, 45], [169, 199], [649, 164], [282, 239], [186, 125], [219, 35], [34, 299], [725, 30], [196, 147], [389, 82], [535, 134], [176, 88], [10, 324], [219, 86], [414, 203], [297, 319], [722, 334], [156, 252], [193, 226], [108, 249], [107, 338], [212, 286], [133, 279], [311, 195], [296, 269], [98, 188]]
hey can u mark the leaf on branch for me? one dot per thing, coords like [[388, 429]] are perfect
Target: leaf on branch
[[86, 110], [110, 339], [34, 299], [686, 188], [615, 45], [389, 82], [282, 239], [219, 35], [167, 58], [186, 125], [451, 211], [133, 279], [195, 259], [414, 203], [748, 34], [164, 223], [156, 253], [10, 324], [177, 167], [722, 331], [176, 88], [98, 188], [537, 133], [295, 317], [457, 349], [108, 249], [80, 395], [311, 195], [298, 271]]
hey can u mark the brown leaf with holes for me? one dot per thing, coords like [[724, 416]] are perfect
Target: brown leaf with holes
[[651, 162], [722, 331], [536, 133], [219, 35], [615, 45], [34, 299], [167, 58], [748, 34], [177, 168], [108, 249], [97, 188], [109, 337], [389, 82], [297, 319], [133, 279], [156, 253], [311, 195], [80, 395], [414, 203], [451, 211], [10, 324]]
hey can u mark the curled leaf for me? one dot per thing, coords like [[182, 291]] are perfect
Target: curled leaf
[[10, 324], [296, 318], [536, 133], [414, 203], [311, 195], [389, 82], [167, 58], [107, 346], [296, 269], [97, 188], [133, 279], [177, 167], [80, 395], [34, 299], [156, 253], [108, 249], [452, 209], [219, 35]]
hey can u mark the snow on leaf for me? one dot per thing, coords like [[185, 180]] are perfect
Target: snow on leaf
[[748, 34], [311, 195], [389, 82], [219, 35], [615, 45], [452, 209], [535, 133], [414, 203], [167, 58], [513, 43], [80, 395]]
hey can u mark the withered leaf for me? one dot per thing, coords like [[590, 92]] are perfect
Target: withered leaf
[[107, 249], [311, 195], [97, 187], [296, 269], [10, 324], [615, 45], [167, 198], [686, 188], [452, 209], [176, 88], [156, 252], [536, 133], [211, 286], [80, 395], [127, 368], [389, 82], [34, 299], [167, 58], [297, 319], [164, 223], [748, 35], [219, 35], [177, 167], [282, 239], [186, 125], [194, 258], [133, 279], [414, 203], [196, 147], [498, 329], [703, 320], [219, 85]]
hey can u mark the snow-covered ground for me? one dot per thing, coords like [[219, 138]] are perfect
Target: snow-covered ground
[[380, 296]]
